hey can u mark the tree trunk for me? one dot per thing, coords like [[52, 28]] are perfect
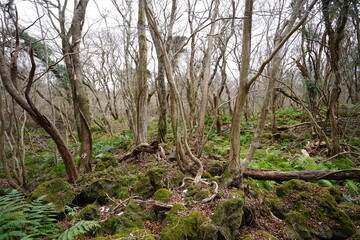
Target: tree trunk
[[205, 82], [141, 81], [42, 120]]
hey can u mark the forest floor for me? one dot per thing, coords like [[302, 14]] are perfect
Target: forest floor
[[138, 198]]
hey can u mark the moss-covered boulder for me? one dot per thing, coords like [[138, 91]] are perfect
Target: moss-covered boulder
[[193, 189], [258, 234], [202, 194], [126, 181], [163, 195], [110, 159], [216, 168], [132, 217], [122, 193], [175, 179], [311, 211], [99, 191], [156, 175], [144, 188], [89, 212], [57, 191], [132, 233], [228, 216], [185, 225]]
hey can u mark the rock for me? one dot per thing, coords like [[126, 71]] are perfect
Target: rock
[[133, 234], [216, 168], [144, 188], [156, 175], [193, 189], [90, 212], [126, 181], [202, 194], [311, 211], [192, 226], [163, 195], [57, 191], [259, 234], [99, 191], [122, 193], [175, 179], [110, 160], [172, 157], [228, 216]]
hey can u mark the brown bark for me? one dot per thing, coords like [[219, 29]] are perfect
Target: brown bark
[[304, 175], [141, 81], [42, 120]]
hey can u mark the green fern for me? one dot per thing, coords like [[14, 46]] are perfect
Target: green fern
[[353, 186], [22, 220], [79, 228]]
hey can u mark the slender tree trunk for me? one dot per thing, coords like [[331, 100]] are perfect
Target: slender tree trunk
[[141, 79], [205, 82], [234, 163]]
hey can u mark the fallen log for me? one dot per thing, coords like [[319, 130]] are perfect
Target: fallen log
[[142, 148], [303, 175]]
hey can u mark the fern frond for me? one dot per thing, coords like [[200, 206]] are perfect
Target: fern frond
[[79, 228]]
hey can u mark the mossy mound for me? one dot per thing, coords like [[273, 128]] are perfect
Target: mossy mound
[[90, 212], [259, 234], [143, 187], [156, 175], [57, 191], [132, 217], [163, 195], [228, 216], [122, 193], [216, 168], [183, 224], [99, 191], [311, 211], [132, 233], [175, 179], [202, 194], [126, 181]]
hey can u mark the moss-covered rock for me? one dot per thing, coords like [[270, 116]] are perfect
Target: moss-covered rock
[[193, 226], [193, 189], [132, 233], [99, 191], [259, 234], [57, 191], [216, 168], [311, 211], [122, 193], [100, 166], [89, 212], [156, 175], [202, 194], [126, 181], [144, 188], [228, 216], [110, 160], [163, 195], [133, 216], [175, 179]]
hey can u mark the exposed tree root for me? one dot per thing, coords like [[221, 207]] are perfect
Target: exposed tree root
[[152, 148], [215, 192]]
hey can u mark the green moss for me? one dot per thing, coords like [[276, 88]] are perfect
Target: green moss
[[57, 191], [100, 166], [90, 212], [156, 175], [259, 234], [126, 181], [175, 179], [193, 189], [309, 201], [176, 211], [144, 188], [99, 191], [202, 194], [163, 195], [130, 234], [195, 226], [133, 217], [228, 216], [216, 168], [122, 193]]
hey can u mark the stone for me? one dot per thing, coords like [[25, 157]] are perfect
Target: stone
[[163, 195], [89, 212], [228, 216], [57, 191]]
